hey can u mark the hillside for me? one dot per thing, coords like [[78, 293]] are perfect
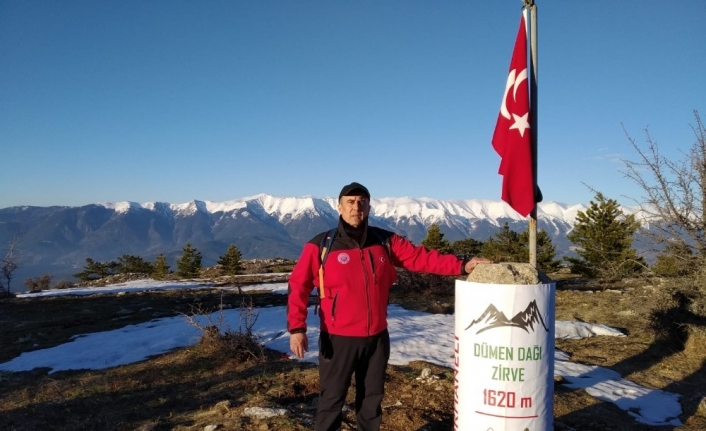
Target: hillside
[[194, 387]]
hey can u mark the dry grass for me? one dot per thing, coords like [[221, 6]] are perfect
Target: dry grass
[[191, 388]]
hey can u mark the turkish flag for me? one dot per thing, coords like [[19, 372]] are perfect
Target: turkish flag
[[511, 138]]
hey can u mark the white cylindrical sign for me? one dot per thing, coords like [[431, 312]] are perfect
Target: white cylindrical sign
[[504, 357]]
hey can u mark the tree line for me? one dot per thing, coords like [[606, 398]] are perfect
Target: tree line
[[603, 235], [188, 265]]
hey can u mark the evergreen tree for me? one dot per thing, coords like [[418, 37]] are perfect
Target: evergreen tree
[[466, 248], [96, 270], [130, 264], [509, 246], [189, 263], [546, 251], [160, 268], [604, 236], [231, 261], [435, 240], [504, 246]]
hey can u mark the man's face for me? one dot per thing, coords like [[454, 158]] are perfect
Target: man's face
[[354, 209]]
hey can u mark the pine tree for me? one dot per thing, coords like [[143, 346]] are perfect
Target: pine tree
[[160, 267], [504, 246], [466, 248], [189, 263], [231, 261], [604, 236], [435, 240], [130, 264], [94, 270], [546, 251], [509, 246]]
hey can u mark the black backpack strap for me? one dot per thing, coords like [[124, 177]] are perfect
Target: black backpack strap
[[385, 241], [324, 249]]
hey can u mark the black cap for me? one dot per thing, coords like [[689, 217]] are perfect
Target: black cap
[[354, 189]]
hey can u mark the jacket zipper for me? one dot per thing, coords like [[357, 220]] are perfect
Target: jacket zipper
[[367, 290], [372, 266], [333, 308]]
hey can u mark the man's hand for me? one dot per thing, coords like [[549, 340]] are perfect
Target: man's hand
[[299, 343], [471, 264]]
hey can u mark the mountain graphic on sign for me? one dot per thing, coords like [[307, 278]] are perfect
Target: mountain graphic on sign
[[494, 318]]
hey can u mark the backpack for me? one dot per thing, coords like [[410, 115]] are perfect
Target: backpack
[[325, 247]]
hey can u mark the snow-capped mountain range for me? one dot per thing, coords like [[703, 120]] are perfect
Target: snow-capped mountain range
[[59, 239]]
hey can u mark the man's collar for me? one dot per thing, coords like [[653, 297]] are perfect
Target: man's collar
[[357, 233]]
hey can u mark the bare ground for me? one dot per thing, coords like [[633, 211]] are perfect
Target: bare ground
[[191, 388]]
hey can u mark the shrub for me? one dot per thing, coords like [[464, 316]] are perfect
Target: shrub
[[281, 268], [217, 338], [63, 284], [676, 260], [37, 284]]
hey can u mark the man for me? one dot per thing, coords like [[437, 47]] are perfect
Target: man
[[354, 285]]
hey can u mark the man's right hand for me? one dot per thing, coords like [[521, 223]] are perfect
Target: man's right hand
[[299, 343]]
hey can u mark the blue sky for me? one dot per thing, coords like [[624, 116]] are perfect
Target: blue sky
[[175, 101]]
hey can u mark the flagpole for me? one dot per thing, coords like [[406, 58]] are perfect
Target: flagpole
[[532, 7]]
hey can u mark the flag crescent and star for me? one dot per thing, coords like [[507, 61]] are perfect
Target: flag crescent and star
[[511, 139]]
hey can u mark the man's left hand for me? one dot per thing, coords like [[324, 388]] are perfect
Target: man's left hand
[[471, 264]]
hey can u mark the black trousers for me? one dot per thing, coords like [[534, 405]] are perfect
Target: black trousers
[[339, 358]]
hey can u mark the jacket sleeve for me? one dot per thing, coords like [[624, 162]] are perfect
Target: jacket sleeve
[[419, 259], [301, 283]]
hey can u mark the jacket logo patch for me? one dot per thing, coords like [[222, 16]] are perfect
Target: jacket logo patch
[[382, 259], [344, 258]]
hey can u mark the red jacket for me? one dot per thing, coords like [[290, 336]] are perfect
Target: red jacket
[[357, 280]]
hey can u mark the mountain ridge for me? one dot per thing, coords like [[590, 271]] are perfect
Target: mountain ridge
[[58, 239]]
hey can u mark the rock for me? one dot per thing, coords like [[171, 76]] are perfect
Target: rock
[[508, 273], [263, 412], [426, 373], [211, 427], [427, 377]]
